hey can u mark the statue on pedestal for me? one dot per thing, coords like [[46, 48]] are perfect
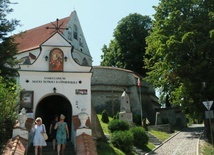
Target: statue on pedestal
[[22, 117]]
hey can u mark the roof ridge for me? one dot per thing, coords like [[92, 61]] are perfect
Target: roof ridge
[[47, 24], [34, 37]]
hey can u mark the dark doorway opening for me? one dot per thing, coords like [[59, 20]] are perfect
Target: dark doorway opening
[[52, 105]]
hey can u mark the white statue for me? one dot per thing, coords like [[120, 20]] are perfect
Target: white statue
[[22, 117]]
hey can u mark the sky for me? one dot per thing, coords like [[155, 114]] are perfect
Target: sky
[[98, 18]]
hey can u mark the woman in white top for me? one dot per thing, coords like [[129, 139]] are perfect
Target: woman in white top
[[38, 141]]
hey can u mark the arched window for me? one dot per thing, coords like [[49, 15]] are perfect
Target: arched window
[[75, 33], [85, 62], [56, 60]]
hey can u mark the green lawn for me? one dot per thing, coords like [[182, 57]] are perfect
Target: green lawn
[[207, 149], [105, 148], [104, 125], [160, 135]]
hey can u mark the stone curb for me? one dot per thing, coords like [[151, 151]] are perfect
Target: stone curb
[[198, 143], [163, 142]]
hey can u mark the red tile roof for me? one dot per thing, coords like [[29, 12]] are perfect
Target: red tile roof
[[15, 146], [85, 145], [33, 38]]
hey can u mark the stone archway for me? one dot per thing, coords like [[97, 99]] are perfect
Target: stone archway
[[52, 105]]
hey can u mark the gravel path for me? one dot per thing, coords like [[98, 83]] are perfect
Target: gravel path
[[182, 143]]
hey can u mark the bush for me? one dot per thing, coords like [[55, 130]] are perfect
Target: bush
[[123, 140], [116, 116], [118, 125], [105, 117], [140, 136]]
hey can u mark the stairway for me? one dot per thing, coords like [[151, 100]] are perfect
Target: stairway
[[47, 150], [153, 139]]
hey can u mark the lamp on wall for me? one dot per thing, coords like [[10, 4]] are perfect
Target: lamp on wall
[[54, 90], [46, 58], [66, 58]]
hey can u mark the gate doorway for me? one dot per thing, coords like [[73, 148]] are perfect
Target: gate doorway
[[52, 105]]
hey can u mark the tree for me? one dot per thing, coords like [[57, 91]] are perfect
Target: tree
[[7, 46], [104, 117], [8, 93], [180, 56], [127, 49], [8, 108]]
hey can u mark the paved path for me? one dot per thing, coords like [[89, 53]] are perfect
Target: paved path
[[182, 143]]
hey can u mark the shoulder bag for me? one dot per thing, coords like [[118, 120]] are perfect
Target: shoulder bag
[[44, 134]]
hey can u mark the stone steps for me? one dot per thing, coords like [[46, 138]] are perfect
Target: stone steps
[[47, 150], [139, 151], [70, 149]]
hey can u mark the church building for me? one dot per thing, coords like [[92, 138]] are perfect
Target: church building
[[55, 71], [56, 76]]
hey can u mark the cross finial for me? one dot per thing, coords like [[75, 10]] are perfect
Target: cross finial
[[57, 27]]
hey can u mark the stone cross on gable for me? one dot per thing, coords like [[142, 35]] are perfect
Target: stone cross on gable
[[57, 27]]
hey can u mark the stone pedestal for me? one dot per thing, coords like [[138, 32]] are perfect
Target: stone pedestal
[[83, 130], [126, 117], [20, 132]]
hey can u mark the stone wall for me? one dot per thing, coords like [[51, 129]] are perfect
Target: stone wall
[[108, 84], [172, 116], [164, 128]]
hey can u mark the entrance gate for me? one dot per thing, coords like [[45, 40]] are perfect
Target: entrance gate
[[52, 105]]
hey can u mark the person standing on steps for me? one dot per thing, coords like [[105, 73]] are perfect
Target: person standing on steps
[[38, 140], [52, 131], [62, 134]]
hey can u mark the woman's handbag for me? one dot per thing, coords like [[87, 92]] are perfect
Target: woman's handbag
[[44, 134]]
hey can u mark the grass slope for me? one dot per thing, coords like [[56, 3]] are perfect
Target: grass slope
[[105, 148]]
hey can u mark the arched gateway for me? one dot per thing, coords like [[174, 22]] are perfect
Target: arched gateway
[[51, 105]]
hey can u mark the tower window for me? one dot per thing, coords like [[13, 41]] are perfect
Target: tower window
[[69, 33], [80, 41], [75, 32]]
